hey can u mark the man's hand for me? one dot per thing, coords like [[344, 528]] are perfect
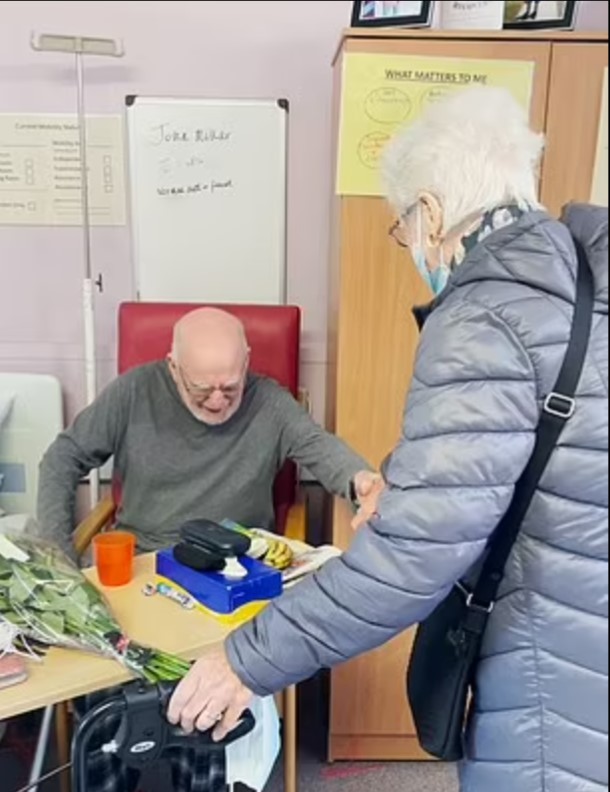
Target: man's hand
[[366, 483], [211, 695], [368, 487]]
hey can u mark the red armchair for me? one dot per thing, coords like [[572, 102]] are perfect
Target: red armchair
[[145, 332]]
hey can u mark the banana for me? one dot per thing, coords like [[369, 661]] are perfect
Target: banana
[[280, 555]]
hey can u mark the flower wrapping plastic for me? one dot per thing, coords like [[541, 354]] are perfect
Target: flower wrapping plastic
[[46, 598]]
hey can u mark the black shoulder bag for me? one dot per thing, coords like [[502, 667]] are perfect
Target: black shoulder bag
[[443, 666]]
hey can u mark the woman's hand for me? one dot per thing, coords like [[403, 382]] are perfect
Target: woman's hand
[[368, 487], [210, 696]]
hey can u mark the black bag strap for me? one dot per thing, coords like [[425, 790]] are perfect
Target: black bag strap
[[559, 408]]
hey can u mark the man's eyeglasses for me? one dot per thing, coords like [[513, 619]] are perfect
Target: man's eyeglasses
[[202, 393]]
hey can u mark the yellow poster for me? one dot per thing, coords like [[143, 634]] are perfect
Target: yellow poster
[[381, 93]]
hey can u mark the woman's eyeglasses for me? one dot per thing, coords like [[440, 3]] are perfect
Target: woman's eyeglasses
[[397, 232]]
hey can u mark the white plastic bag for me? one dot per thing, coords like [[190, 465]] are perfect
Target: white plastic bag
[[252, 759]]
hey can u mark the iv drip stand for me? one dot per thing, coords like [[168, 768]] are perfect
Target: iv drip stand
[[79, 47]]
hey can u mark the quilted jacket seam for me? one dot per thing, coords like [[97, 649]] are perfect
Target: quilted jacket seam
[[536, 648]]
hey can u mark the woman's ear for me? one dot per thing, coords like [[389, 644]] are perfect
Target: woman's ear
[[433, 217]]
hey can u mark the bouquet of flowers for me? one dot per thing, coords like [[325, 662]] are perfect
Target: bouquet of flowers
[[45, 598]]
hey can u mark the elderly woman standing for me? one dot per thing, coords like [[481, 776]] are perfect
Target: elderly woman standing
[[463, 183]]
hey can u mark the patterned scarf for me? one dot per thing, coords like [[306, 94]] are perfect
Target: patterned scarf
[[488, 224], [484, 227]]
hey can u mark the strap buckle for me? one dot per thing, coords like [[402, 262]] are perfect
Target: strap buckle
[[472, 605], [560, 406]]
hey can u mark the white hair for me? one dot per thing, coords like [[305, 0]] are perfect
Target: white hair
[[474, 150]]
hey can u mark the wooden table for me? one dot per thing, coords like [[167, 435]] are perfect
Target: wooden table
[[152, 621]]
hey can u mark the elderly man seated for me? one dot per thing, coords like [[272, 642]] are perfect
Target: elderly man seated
[[195, 435]]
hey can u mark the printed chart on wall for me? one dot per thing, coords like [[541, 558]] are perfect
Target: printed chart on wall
[[40, 177], [382, 93], [599, 192]]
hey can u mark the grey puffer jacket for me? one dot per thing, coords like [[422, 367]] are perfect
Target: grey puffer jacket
[[489, 354]]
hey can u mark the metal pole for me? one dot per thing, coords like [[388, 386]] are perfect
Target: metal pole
[[80, 46], [41, 748], [88, 285], [82, 135]]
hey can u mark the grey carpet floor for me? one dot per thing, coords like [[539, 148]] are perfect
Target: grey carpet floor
[[315, 774], [315, 777]]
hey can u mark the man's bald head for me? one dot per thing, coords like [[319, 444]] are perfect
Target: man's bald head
[[209, 361], [208, 332]]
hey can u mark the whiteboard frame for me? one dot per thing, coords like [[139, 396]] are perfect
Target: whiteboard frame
[[132, 100]]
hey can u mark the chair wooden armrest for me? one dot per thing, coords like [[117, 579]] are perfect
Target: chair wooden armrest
[[296, 520], [103, 514], [94, 523]]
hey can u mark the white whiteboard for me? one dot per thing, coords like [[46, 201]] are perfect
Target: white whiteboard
[[208, 199]]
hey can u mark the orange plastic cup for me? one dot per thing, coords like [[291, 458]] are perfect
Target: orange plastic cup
[[114, 553]]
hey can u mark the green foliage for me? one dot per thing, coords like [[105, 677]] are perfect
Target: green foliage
[[49, 600]]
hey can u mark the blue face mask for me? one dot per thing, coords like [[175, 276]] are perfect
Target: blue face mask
[[440, 278], [419, 258], [437, 280]]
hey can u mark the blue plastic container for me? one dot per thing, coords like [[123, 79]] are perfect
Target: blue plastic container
[[219, 594]]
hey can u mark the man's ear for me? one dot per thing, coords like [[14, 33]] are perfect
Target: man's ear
[[434, 219], [171, 363]]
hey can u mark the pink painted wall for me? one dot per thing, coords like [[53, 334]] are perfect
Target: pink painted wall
[[223, 48]]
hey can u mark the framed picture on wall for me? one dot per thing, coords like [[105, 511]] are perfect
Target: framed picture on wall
[[540, 14], [392, 13]]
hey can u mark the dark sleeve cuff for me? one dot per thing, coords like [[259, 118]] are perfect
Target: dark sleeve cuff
[[352, 496]]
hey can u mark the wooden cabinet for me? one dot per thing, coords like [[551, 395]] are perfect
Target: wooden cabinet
[[572, 124], [373, 338]]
